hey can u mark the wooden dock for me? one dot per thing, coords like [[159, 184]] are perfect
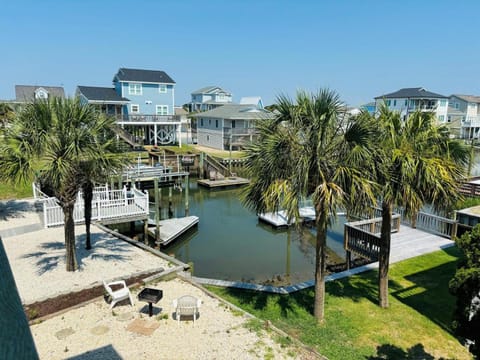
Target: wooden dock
[[223, 183], [170, 229], [279, 219]]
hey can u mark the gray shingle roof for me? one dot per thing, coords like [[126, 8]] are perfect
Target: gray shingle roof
[[209, 89], [104, 94], [151, 76], [468, 98], [236, 111], [417, 92], [27, 92]]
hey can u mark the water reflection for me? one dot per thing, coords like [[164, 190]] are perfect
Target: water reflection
[[231, 244]]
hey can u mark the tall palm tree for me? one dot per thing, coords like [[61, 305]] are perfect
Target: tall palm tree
[[417, 163], [108, 159], [49, 140], [310, 150]]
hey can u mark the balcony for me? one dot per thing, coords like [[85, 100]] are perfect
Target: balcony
[[471, 121], [148, 119], [239, 131]]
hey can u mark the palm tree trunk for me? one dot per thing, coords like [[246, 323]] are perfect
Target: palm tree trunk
[[88, 196], [69, 229], [320, 266], [384, 255]]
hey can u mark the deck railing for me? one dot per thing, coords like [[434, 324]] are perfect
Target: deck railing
[[106, 204], [432, 223], [363, 237], [145, 118]]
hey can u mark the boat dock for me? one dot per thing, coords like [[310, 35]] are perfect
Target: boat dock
[[223, 183], [279, 218], [170, 229]]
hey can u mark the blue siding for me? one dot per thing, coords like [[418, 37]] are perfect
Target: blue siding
[[149, 99]]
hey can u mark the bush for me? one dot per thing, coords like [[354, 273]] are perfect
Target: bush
[[465, 285]]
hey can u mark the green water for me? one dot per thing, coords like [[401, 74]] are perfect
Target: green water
[[231, 244]]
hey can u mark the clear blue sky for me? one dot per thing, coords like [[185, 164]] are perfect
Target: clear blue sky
[[360, 48]]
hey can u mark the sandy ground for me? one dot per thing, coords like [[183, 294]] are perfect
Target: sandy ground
[[94, 331], [37, 257]]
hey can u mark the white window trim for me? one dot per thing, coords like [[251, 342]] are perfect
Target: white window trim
[[160, 88], [131, 108], [157, 107], [130, 92]]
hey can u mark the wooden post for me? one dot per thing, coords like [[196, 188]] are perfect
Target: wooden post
[[170, 210], [454, 225], [200, 166], [187, 185], [145, 231], [157, 211]]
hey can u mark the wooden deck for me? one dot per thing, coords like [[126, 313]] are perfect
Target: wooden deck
[[170, 229], [223, 183], [409, 242]]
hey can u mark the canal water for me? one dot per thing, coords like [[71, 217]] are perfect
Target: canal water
[[231, 244]]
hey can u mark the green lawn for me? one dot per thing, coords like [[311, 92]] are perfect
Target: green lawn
[[417, 324], [8, 191]]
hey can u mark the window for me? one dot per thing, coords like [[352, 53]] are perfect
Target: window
[[233, 124], [457, 105], [201, 122], [406, 102], [161, 109], [441, 118], [388, 102], [443, 102], [134, 89], [134, 108], [209, 121], [162, 88], [395, 102], [216, 123]]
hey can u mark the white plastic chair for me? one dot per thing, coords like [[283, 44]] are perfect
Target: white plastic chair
[[120, 294], [186, 306]]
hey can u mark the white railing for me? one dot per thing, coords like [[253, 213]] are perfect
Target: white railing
[[432, 223], [471, 121], [106, 205]]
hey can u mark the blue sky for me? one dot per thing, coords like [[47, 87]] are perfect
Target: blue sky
[[360, 48]]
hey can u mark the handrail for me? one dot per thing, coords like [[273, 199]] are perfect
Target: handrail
[[108, 204], [210, 160]]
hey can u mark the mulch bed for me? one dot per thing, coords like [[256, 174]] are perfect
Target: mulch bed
[[43, 308]]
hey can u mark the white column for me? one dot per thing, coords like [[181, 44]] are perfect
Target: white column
[[179, 135], [155, 134]]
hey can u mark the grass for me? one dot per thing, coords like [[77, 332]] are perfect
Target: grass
[[20, 191], [416, 325]]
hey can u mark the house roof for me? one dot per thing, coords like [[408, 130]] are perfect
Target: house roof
[[27, 92], [148, 76], [468, 98], [236, 111], [100, 94], [417, 92], [210, 89], [180, 111], [250, 100]]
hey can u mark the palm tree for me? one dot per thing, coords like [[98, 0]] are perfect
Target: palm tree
[[417, 163], [6, 114], [107, 160], [310, 150], [49, 140]]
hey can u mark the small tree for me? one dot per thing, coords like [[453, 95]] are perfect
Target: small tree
[[465, 285]]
